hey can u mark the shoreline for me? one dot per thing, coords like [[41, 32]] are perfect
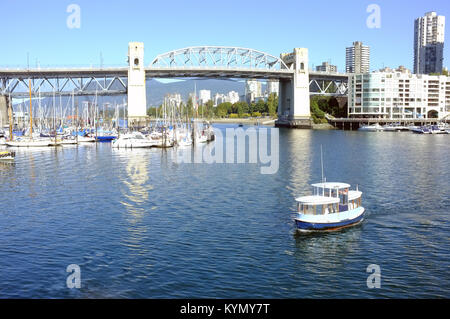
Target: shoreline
[[253, 121]]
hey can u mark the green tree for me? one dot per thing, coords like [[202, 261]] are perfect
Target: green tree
[[240, 108], [316, 113], [272, 104], [190, 108], [260, 106], [222, 109], [151, 111]]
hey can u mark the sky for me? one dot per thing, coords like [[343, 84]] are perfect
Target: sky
[[36, 32]]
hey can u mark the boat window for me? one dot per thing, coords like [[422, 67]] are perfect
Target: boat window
[[320, 209], [308, 209]]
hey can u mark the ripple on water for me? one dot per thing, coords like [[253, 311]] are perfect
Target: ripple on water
[[142, 226]]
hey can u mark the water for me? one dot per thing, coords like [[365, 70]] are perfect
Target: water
[[140, 225]]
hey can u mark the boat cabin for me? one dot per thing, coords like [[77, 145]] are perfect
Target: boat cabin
[[329, 198]]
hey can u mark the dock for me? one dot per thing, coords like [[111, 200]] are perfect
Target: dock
[[355, 123]]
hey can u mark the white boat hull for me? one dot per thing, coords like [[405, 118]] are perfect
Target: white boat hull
[[132, 144], [32, 143]]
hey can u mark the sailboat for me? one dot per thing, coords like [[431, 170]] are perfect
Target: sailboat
[[30, 141]]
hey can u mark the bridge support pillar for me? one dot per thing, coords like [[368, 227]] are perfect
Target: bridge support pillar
[[4, 104], [293, 102], [137, 100]]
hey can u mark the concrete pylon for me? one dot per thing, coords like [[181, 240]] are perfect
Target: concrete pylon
[[137, 100], [4, 119], [293, 102]]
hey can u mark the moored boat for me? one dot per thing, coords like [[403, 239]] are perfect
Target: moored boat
[[7, 156], [32, 143], [86, 139], [133, 140], [371, 128]]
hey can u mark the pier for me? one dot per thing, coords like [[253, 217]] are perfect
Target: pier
[[355, 123]]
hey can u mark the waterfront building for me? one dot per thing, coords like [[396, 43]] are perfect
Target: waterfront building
[[357, 58], [204, 96], [398, 94], [429, 43], [326, 67]]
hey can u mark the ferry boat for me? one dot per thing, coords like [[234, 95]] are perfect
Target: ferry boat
[[331, 207]]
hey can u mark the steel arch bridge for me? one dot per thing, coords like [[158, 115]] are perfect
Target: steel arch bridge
[[219, 56], [218, 62]]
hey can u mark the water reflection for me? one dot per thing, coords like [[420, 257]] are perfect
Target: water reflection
[[136, 192], [295, 158]]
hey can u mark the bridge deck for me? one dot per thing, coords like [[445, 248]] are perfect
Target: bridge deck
[[162, 72]]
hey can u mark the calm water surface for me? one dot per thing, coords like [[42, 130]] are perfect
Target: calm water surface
[[141, 225]]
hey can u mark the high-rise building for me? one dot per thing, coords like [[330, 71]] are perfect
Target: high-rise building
[[204, 96], [326, 67], [173, 99], [357, 58], [398, 94], [252, 90], [272, 87], [429, 43], [219, 99], [233, 97]]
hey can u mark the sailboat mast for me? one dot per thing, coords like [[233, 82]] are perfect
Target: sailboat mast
[[31, 111], [11, 136], [321, 161]]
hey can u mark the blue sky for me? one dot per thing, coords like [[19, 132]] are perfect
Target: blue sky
[[325, 27]]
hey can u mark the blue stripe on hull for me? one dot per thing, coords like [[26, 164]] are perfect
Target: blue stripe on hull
[[105, 138], [324, 226]]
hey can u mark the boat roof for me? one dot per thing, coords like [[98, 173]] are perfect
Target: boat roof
[[331, 185], [354, 195], [317, 200]]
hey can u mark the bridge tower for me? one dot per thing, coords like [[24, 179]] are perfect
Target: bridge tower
[[3, 111], [137, 101], [293, 105]]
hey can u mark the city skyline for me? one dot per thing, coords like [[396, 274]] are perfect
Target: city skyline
[[101, 39]]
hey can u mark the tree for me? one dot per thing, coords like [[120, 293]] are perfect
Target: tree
[[223, 109], [190, 108], [209, 109], [151, 111], [240, 108], [272, 104], [260, 106]]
